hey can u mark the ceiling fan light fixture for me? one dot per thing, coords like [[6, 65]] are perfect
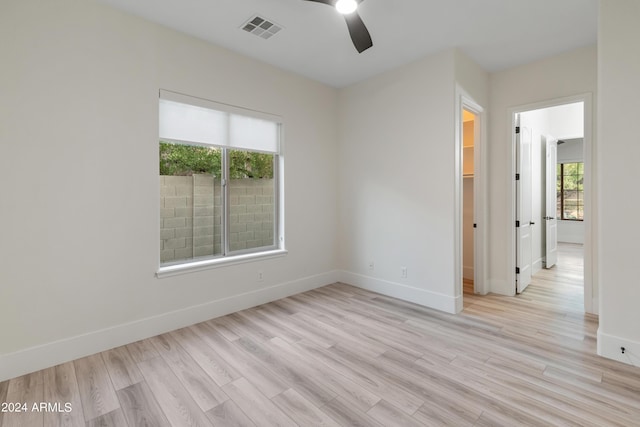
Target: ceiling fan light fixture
[[346, 7]]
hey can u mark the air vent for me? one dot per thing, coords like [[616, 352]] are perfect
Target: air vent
[[261, 27]]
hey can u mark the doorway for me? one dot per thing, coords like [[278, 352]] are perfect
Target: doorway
[[468, 218], [470, 201], [552, 188]]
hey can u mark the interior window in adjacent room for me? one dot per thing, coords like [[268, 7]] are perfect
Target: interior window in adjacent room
[[570, 191]]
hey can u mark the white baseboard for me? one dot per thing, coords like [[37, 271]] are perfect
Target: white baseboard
[[501, 287], [401, 291], [43, 356], [609, 346]]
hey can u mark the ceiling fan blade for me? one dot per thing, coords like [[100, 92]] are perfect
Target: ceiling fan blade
[[329, 2], [358, 32]]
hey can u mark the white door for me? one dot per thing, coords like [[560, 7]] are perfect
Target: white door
[[551, 222], [523, 208]]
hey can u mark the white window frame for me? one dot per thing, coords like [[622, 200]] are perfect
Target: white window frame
[[562, 198], [229, 257]]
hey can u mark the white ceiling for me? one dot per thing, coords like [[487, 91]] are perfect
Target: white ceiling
[[497, 34]]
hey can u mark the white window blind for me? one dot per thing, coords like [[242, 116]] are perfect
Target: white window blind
[[254, 134], [187, 119], [189, 123]]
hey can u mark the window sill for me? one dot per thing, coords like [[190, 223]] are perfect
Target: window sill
[[190, 267]]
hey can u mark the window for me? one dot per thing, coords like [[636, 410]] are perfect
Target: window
[[570, 191], [219, 183]]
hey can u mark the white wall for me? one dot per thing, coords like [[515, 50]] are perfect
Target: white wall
[[564, 75], [79, 108], [619, 90], [397, 179], [571, 150], [472, 86], [565, 121], [471, 79], [571, 232], [396, 162]]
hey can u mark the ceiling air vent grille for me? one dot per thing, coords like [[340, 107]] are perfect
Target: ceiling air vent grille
[[261, 27]]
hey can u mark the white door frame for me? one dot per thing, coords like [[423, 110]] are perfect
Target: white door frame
[[550, 219], [466, 102], [590, 221]]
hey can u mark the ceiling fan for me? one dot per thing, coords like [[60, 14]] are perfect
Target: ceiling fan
[[357, 30]]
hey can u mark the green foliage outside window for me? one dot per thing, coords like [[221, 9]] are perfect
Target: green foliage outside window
[[570, 191], [186, 160]]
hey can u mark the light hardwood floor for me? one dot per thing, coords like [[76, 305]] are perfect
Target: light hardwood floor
[[340, 355]]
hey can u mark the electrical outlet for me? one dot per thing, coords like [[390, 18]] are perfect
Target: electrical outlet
[[371, 266], [403, 272], [260, 276]]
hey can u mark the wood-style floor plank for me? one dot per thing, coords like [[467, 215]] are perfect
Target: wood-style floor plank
[[244, 326], [174, 400], [338, 334], [280, 314], [96, 390], [347, 415], [446, 412], [200, 386], [142, 350], [269, 325], [264, 380], [61, 387], [364, 376], [255, 405], [302, 411], [111, 419], [325, 377], [140, 407], [4, 387], [559, 392], [220, 370], [530, 398], [229, 414], [294, 377], [121, 367], [340, 355], [387, 414], [25, 391]]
